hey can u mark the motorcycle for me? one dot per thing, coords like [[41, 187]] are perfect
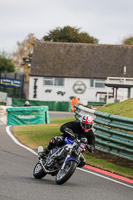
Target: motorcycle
[[61, 161]]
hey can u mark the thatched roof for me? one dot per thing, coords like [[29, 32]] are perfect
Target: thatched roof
[[81, 60]]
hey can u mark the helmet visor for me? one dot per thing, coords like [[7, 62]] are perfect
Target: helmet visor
[[86, 126]]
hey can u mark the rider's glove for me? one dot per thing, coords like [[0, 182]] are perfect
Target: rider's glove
[[90, 148]]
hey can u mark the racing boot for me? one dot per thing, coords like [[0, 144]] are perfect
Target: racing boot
[[44, 153]]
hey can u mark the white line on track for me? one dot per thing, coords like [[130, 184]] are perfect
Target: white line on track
[[84, 170], [17, 142], [110, 179]]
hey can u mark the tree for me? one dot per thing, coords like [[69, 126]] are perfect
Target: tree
[[128, 41], [22, 56], [6, 64], [84, 38], [69, 34]]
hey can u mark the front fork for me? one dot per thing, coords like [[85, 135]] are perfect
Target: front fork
[[69, 158]]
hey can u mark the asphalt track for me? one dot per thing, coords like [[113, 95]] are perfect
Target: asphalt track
[[54, 114], [17, 182]]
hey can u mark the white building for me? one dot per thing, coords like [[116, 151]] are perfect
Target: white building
[[60, 71]]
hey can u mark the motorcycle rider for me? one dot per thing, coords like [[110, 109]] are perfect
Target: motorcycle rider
[[79, 128]]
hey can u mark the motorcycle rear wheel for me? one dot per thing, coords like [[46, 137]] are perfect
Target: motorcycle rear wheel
[[38, 171], [64, 174]]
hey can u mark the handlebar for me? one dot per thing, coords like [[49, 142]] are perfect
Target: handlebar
[[82, 140]]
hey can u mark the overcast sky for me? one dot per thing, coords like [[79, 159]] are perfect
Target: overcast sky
[[109, 21]]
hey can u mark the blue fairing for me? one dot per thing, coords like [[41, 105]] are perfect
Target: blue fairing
[[71, 159], [68, 140], [54, 149]]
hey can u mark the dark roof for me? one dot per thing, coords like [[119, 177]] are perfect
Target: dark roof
[[81, 60]]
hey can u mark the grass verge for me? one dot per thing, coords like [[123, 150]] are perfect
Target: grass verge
[[124, 108], [36, 135]]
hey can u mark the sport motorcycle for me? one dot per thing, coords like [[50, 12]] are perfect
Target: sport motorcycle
[[61, 162]]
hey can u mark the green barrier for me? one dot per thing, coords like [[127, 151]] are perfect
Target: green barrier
[[100, 146], [64, 106], [114, 134], [53, 105], [92, 103], [114, 121], [28, 115]]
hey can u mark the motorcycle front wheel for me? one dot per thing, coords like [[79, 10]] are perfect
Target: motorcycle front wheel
[[38, 171], [65, 173]]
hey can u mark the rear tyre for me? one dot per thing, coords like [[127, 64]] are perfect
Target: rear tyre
[[64, 174], [38, 171]]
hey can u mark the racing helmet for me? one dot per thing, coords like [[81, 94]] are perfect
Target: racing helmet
[[86, 123]]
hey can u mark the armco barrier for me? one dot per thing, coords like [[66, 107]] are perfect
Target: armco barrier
[[53, 105], [82, 110], [28, 115], [114, 134]]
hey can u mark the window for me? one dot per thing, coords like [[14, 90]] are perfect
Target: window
[[92, 82], [97, 83], [48, 81], [59, 81], [53, 81]]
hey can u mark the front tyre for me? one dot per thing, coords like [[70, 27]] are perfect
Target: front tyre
[[65, 173], [38, 171]]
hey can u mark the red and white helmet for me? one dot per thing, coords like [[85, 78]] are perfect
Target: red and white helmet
[[86, 123]]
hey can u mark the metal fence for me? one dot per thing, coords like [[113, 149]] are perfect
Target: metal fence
[[114, 134]]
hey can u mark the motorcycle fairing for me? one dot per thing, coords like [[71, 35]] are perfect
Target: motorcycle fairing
[[71, 159], [68, 140]]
